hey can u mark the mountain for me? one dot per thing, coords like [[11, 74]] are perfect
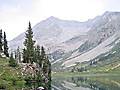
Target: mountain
[[104, 32], [69, 42], [52, 31]]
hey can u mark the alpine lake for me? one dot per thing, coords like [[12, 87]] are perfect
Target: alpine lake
[[78, 82], [87, 82]]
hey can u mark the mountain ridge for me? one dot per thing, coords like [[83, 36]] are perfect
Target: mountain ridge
[[66, 39]]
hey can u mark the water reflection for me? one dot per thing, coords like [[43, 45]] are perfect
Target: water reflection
[[87, 83], [78, 83]]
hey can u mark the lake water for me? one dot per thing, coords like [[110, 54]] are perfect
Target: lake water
[[79, 83], [87, 83]]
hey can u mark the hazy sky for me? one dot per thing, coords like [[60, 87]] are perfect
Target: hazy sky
[[15, 14]]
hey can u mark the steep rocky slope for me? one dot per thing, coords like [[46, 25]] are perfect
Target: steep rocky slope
[[69, 42]]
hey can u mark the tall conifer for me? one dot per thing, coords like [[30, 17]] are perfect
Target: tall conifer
[[1, 43], [29, 45], [5, 46], [46, 67], [18, 55]]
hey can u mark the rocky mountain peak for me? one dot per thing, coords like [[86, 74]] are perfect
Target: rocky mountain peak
[[51, 18], [71, 40]]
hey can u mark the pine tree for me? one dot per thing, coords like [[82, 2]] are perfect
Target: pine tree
[[25, 59], [46, 69], [18, 55], [45, 61], [43, 58], [38, 56], [37, 59], [5, 46], [49, 74], [29, 45], [1, 43], [12, 61], [15, 55]]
